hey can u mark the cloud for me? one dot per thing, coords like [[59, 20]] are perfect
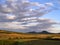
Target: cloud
[[49, 4], [6, 17], [11, 25], [10, 17], [32, 24], [16, 10], [42, 24], [25, 15]]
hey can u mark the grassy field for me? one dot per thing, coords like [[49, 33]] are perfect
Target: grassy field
[[41, 42], [14, 38], [31, 42]]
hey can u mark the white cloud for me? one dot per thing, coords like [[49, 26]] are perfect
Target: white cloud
[[11, 25], [49, 4], [25, 15], [30, 24], [10, 17], [35, 4]]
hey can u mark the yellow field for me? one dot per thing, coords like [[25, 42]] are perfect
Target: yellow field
[[12, 36]]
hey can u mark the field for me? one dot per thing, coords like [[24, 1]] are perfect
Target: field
[[31, 42], [14, 38]]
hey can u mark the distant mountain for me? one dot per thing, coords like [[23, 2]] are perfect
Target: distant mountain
[[43, 32], [33, 32]]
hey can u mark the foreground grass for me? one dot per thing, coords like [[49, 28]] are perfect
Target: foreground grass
[[41, 42], [31, 42]]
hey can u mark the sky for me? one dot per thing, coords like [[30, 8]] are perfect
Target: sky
[[55, 13], [30, 15]]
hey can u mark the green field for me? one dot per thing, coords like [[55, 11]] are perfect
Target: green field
[[32, 42], [41, 42]]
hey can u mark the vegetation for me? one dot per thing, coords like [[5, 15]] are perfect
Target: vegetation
[[33, 42], [13, 38]]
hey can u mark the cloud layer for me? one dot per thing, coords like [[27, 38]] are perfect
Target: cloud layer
[[25, 15]]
